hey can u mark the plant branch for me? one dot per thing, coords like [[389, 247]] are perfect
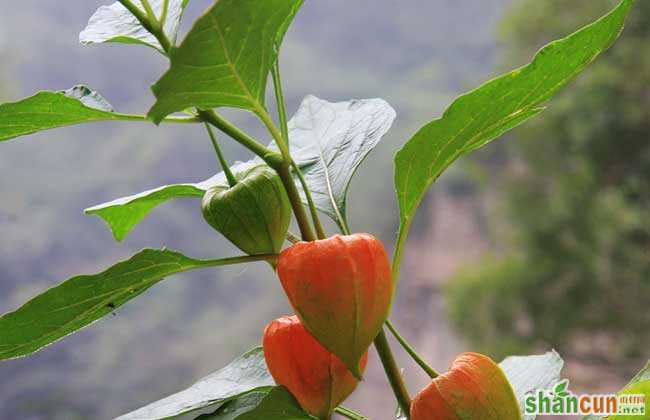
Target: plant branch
[[284, 171], [238, 135], [152, 26], [284, 128], [411, 351], [392, 372], [275, 133], [350, 414], [222, 160]]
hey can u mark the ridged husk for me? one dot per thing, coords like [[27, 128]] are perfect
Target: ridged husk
[[254, 214]]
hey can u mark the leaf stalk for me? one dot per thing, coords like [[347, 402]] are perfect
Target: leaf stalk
[[411, 351]]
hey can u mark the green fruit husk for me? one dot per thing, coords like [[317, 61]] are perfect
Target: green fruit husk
[[254, 214]]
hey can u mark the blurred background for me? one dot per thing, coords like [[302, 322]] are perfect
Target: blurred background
[[539, 241]]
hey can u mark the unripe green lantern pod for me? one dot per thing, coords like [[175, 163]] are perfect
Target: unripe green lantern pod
[[254, 214]]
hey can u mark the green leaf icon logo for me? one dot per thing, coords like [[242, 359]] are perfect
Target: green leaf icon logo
[[560, 389]]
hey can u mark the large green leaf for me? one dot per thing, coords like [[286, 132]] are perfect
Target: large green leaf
[[82, 300], [640, 384], [270, 404], [245, 374], [114, 23], [123, 214], [482, 115], [226, 57], [529, 373], [47, 110], [329, 141]]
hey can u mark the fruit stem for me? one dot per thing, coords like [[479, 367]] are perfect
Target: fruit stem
[[232, 181], [411, 351], [393, 373]]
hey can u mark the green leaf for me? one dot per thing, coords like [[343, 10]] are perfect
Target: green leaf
[[640, 384], [245, 374], [82, 300], [329, 141], [529, 373], [123, 214], [271, 404], [47, 110], [115, 23], [480, 116], [226, 57]]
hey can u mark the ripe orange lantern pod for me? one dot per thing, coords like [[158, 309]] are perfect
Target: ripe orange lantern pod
[[341, 289], [315, 377], [474, 388]]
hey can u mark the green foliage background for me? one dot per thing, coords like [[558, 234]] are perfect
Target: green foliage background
[[571, 225]]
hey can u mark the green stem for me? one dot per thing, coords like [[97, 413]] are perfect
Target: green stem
[[172, 120], [294, 196], [271, 258], [284, 132], [343, 224], [320, 232], [222, 160], [238, 135], [279, 97], [150, 13], [151, 25], [275, 133], [392, 372], [399, 249], [165, 13], [411, 351], [350, 414]]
